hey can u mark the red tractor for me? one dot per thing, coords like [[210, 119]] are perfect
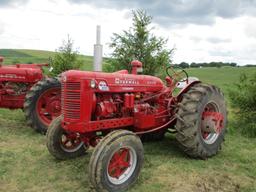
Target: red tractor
[[23, 86], [112, 111]]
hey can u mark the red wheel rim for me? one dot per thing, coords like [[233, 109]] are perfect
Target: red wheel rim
[[212, 123], [48, 106], [121, 165], [70, 142]]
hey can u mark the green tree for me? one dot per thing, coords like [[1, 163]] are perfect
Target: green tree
[[193, 64], [66, 58], [184, 65], [140, 44], [243, 100]]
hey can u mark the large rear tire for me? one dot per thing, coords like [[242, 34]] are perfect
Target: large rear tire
[[201, 121], [116, 161], [61, 144], [42, 104]]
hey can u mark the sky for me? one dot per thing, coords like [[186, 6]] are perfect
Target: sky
[[199, 30]]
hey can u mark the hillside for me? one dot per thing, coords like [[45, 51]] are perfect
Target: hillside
[[12, 56]]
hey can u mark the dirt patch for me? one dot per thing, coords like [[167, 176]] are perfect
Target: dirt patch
[[218, 182], [195, 181]]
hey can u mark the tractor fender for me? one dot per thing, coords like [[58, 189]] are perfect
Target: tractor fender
[[186, 88]]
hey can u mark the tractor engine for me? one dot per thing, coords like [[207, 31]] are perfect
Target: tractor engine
[[108, 106], [13, 88], [125, 105]]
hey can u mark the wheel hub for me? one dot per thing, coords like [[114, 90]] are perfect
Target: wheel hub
[[48, 106], [119, 162], [54, 106], [211, 123], [121, 165], [70, 142]]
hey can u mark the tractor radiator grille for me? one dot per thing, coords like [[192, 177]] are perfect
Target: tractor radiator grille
[[70, 99]]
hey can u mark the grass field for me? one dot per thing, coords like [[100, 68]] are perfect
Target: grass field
[[26, 165], [13, 56]]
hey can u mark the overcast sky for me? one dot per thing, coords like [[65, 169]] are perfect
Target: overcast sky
[[200, 30]]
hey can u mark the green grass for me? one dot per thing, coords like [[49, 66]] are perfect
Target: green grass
[[224, 77], [13, 56], [26, 165]]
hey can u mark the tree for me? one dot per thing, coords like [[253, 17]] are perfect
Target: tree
[[194, 65], [243, 100], [233, 64], [66, 58], [184, 65], [140, 44]]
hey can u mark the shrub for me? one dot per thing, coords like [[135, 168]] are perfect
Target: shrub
[[65, 59], [243, 100]]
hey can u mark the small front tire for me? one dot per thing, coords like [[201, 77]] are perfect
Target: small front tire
[[61, 144], [116, 161]]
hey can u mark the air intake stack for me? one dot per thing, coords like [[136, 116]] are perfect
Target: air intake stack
[[97, 62]]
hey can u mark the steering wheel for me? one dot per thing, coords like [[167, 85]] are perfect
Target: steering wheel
[[177, 76]]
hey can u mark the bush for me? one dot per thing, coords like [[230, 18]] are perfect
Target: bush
[[65, 59], [243, 100], [140, 44]]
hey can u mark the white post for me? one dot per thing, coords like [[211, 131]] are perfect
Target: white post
[[97, 62]]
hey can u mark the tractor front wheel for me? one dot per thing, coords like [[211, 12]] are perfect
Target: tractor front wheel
[[201, 121], [42, 104], [116, 161], [62, 144]]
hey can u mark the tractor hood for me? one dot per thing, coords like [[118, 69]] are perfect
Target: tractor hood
[[20, 73], [119, 81]]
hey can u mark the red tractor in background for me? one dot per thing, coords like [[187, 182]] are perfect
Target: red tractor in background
[[111, 111], [23, 86]]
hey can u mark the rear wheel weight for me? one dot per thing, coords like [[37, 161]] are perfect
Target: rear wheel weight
[[116, 161], [198, 134], [63, 145]]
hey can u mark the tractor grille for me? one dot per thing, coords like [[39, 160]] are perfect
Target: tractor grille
[[70, 99]]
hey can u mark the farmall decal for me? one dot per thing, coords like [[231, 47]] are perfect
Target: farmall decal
[[11, 76], [103, 86], [126, 81]]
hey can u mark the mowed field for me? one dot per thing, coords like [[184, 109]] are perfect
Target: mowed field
[[26, 165]]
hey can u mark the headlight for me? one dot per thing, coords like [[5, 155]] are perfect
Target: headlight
[[93, 84], [64, 78]]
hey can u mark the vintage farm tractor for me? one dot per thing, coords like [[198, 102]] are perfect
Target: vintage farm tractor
[[113, 110], [23, 86]]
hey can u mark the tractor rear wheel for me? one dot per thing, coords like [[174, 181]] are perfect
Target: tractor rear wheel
[[116, 161], [62, 144], [42, 104], [201, 121]]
